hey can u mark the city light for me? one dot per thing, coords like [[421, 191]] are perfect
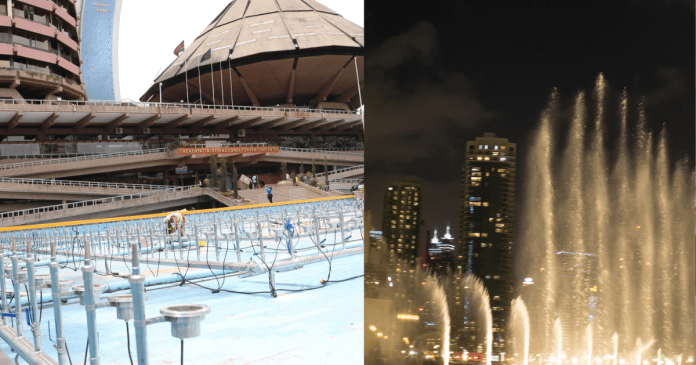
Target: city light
[[373, 328], [408, 317]]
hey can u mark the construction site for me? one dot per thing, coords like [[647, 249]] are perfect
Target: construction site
[[268, 283]]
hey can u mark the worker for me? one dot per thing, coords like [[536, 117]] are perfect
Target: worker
[[269, 193], [175, 220]]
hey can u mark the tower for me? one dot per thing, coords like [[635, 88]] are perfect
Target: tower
[[401, 222], [487, 223], [99, 27]]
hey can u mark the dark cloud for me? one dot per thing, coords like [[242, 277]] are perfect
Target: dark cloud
[[672, 83], [419, 122]]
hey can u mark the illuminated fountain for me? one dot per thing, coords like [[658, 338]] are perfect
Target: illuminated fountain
[[608, 239]]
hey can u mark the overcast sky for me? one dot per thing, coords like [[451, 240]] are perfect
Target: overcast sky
[[150, 30]]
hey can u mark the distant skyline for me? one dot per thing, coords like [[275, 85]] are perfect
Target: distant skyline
[[446, 74], [150, 30]]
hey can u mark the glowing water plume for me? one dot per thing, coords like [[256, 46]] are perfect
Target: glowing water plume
[[683, 234], [666, 251], [541, 220], [615, 343], [598, 222], [608, 241], [659, 356], [573, 305], [645, 207], [588, 336], [438, 297], [559, 340], [479, 301], [640, 349], [520, 324], [622, 202]]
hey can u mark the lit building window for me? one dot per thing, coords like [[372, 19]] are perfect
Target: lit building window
[[485, 204]]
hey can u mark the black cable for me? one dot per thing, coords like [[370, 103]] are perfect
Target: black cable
[[67, 351], [86, 350], [128, 339]]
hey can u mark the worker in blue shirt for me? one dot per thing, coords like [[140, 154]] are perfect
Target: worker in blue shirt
[[269, 191]]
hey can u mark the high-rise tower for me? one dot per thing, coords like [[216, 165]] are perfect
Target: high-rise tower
[[99, 29], [401, 222], [487, 223]]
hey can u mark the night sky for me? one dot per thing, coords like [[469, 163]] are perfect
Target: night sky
[[448, 71]]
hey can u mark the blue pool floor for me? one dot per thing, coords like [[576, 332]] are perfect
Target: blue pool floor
[[322, 326]]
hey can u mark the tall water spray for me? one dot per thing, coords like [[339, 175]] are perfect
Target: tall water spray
[[540, 222], [558, 330], [615, 343], [608, 234], [441, 309], [520, 330], [479, 302]]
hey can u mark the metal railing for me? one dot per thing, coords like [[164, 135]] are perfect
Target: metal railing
[[40, 156], [287, 149], [82, 158], [86, 203], [216, 145], [357, 167], [346, 181], [323, 152], [342, 149], [139, 104], [13, 180]]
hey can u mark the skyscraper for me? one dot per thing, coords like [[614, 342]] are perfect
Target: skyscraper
[[487, 223], [401, 222], [99, 26]]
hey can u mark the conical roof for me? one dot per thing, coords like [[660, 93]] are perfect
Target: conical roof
[[271, 44]]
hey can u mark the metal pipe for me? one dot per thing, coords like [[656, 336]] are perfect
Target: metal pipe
[[217, 248], [35, 326], [237, 246], [198, 246], [139, 319], [87, 276], [263, 253], [57, 312], [17, 296], [316, 228], [340, 225], [24, 348], [3, 290]]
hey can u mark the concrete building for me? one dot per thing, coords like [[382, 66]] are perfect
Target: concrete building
[[487, 223], [267, 53], [39, 51], [99, 28], [105, 142]]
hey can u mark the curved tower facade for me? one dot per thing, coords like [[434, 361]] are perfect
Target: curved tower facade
[[39, 50], [99, 29]]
